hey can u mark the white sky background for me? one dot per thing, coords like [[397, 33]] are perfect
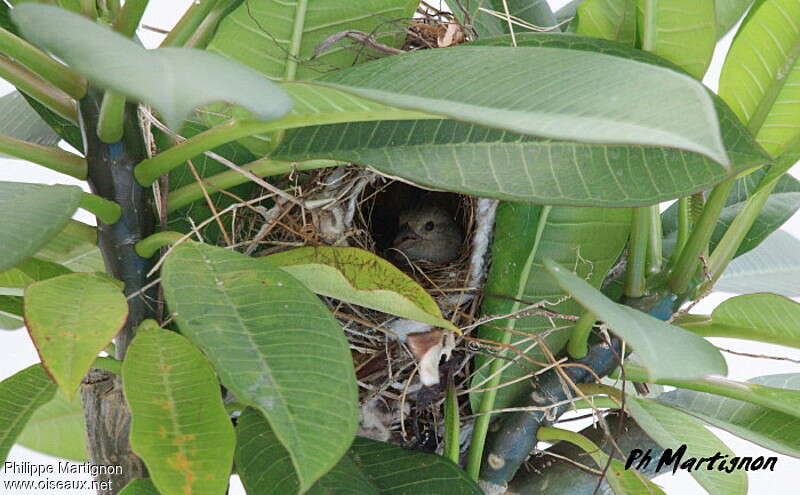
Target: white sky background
[[17, 352]]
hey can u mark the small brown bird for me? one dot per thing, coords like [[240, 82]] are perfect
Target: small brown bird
[[428, 233]]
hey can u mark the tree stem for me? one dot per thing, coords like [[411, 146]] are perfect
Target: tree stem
[[111, 177]]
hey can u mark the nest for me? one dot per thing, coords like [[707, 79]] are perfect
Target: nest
[[353, 206]]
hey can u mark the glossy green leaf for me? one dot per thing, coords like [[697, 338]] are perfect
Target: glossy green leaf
[[613, 20], [774, 266], [11, 313], [273, 344], [682, 31], [532, 12], [179, 426], [140, 486], [761, 317], [32, 215], [766, 427], [760, 79], [20, 121], [265, 467], [360, 277], [14, 280], [589, 239], [71, 318], [75, 247], [399, 471], [559, 172], [671, 429], [654, 341], [610, 99], [58, 429], [278, 38], [782, 203], [20, 395], [728, 13], [173, 80]]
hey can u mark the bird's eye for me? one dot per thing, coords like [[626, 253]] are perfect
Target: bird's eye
[[429, 226]]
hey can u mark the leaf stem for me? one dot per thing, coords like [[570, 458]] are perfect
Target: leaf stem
[[697, 243], [684, 224], [205, 31], [129, 17], [189, 23], [452, 427], [230, 178], [107, 211], [150, 245], [726, 249], [578, 345], [296, 40], [552, 434], [112, 115], [637, 252], [52, 158], [45, 93], [42, 64], [655, 250]]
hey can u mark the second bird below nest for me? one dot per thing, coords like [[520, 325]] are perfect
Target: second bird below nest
[[427, 233]]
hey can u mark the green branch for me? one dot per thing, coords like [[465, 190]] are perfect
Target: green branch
[[107, 211], [578, 345], [129, 17], [189, 23], [112, 116], [52, 158], [264, 167], [684, 224], [42, 64], [39, 89], [697, 244], [637, 252], [655, 248], [452, 426], [150, 245]]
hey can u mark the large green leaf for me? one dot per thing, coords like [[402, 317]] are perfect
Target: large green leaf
[[534, 12], [607, 19], [760, 79], [654, 341], [454, 156], [360, 277], [278, 38], [71, 318], [762, 317], [682, 31], [20, 395], [266, 468], [32, 215], [671, 429], [11, 313], [774, 266], [173, 80], [75, 247], [14, 280], [769, 428], [728, 13], [589, 239], [58, 429], [603, 99], [273, 344], [179, 426], [399, 471], [782, 203], [20, 121], [140, 486]]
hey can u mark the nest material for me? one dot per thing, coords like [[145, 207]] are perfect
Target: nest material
[[336, 207]]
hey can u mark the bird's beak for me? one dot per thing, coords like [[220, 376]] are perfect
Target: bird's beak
[[404, 236]]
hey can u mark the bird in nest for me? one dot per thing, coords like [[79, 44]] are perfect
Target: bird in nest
[[427, 233]]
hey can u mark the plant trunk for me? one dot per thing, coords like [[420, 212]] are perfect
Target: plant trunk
[[111, 176]]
